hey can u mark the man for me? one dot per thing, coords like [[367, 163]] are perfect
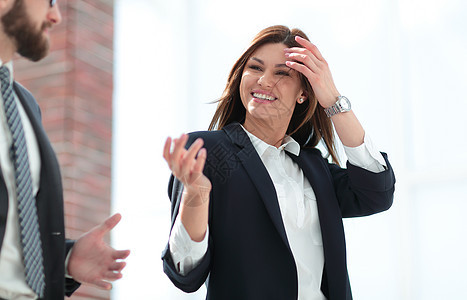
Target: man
[[35, 258]]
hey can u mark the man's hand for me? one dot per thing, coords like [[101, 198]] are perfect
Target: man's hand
[[94, 262]]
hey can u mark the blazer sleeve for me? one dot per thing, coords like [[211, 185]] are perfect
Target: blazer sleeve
[[361, 192], [71, 285], [192, 281]]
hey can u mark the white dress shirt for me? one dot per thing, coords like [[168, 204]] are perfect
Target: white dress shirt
[[12, 277], [299, 211]]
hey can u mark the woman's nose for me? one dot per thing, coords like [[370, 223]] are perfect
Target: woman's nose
[[265, 81]]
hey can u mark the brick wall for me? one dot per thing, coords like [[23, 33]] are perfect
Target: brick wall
[[74, 87]]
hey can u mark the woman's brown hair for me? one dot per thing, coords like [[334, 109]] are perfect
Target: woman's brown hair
[[309, 123]]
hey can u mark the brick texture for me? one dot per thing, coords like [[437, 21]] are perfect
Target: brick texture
[[74, 88]]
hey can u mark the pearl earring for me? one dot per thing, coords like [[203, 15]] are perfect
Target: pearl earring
[[300, 100]]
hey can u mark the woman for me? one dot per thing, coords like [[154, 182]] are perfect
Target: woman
[[255, 205]]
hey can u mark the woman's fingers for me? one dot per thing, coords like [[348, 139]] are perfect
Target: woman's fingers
[[308, 55], [192, 151], [179, 147], [302, 69], [182, 162], [188, 160], [304, 59], [176, 153], [200, 161], [302, 54], [310, 46], [166, 151]]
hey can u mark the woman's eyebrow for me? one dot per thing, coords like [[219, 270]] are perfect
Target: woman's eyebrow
[[262, 62], [258, 60]]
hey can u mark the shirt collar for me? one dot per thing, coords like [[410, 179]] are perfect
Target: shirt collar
[[9, 65], [289, 144]]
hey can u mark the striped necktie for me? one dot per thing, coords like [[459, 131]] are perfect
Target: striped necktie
[[27, 211]]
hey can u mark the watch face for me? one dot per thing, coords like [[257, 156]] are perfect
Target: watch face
[[344, 103]]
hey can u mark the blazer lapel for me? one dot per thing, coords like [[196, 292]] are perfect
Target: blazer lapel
[[258, 174], [330, 222], [48, 160], [34, 117]]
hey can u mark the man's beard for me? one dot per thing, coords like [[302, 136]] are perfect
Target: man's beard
[[30, 43]]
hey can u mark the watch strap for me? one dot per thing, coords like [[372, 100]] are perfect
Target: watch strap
[[332, 110], [336, 108]]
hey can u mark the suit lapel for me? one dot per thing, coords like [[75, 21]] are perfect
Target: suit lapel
[[330, 222], [33, 117], [47, 154], [258, 174]]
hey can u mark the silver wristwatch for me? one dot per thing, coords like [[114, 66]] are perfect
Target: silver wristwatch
[[342, 105]]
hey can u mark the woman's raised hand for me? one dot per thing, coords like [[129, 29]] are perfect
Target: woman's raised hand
[[309, 61], [187, 166]]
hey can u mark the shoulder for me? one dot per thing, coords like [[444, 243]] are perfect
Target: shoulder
[[27, 98], [210, 138], [23, 91], [208, 135]]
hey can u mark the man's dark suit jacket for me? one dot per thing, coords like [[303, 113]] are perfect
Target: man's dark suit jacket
[[49, 200], [249, 257]]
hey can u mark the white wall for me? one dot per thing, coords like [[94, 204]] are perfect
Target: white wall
[[402, 63]]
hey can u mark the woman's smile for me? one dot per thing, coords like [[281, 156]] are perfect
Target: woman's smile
[[261, 96]]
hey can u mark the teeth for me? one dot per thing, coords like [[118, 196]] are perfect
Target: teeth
[[263, 96]]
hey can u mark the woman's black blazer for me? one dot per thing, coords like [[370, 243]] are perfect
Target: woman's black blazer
[[248, 255]]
